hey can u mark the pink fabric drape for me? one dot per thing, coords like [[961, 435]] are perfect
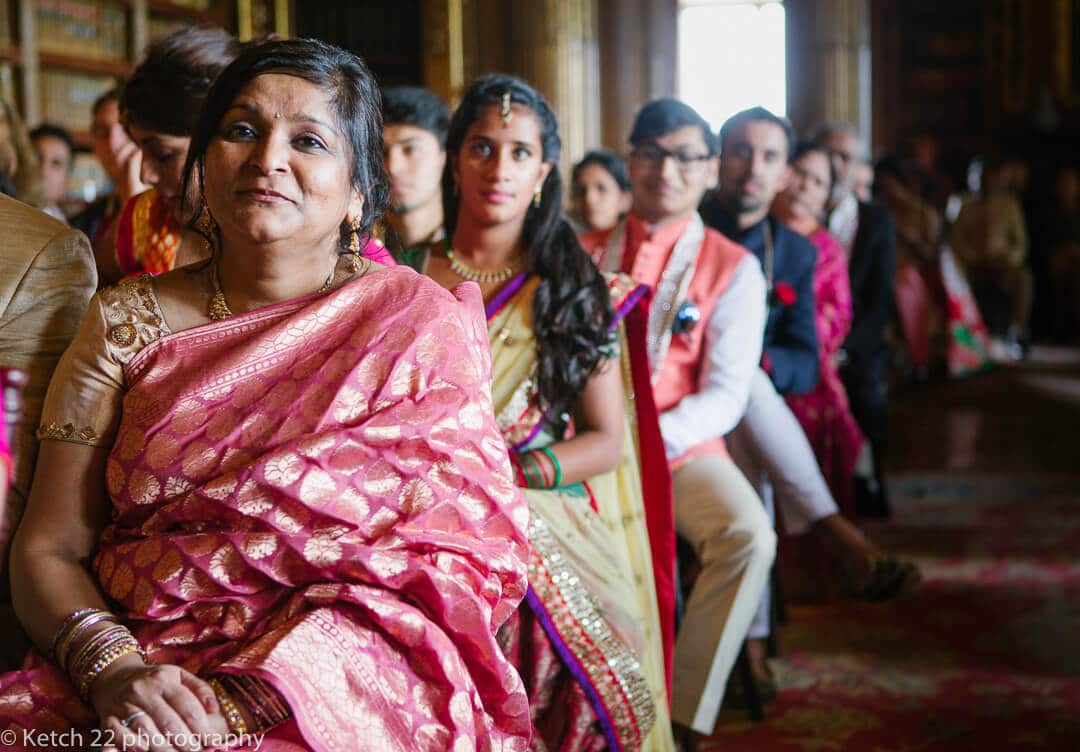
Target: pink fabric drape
[[317, 492], [825, 413]]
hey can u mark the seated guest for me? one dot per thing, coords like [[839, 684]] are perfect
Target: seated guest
[[122, 161], [704, 343], [754, 147], [824, 412], [311, 529], [46, 279], [865, 230], [20, 176], [159, 106], [919, 294], [601, 190], [989, 238], [414, 147], [768, 444], [567, 423], [56, 154]]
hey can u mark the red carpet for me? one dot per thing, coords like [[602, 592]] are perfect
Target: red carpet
[[986, 656]]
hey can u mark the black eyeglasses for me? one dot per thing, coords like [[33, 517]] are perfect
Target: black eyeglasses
[[657, 155]]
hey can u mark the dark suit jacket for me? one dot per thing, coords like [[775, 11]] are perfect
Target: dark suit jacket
[[871, 269], [791, 343]]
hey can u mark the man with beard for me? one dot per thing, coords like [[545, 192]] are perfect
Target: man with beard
[[754, 147], [769, 444], [414, 149]]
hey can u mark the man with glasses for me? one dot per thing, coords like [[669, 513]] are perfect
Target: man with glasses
[[704, 343]]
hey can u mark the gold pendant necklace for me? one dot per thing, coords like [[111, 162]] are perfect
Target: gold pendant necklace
[[218, 308], [465, 271]]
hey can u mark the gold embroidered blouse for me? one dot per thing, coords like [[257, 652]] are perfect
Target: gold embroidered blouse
[[83, 402]]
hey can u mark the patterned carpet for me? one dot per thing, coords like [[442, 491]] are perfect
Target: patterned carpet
[[986, 655]]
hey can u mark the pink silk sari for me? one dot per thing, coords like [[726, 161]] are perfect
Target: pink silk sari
[[317, 493], [824, 412]]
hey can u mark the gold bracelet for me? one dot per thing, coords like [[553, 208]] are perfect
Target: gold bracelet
[[232, 713], [105, 659]]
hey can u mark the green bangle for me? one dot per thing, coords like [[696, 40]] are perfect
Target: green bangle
[[554, 461]]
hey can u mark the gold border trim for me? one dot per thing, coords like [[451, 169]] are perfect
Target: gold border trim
[[613, 669]]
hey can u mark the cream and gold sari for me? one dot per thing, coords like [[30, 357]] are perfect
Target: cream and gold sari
[[592, 593]]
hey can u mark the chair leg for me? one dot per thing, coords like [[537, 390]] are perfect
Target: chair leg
[[777, 613], [749, 686]]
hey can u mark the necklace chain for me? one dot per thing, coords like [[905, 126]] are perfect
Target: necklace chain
[[465, 271], [218, 308]]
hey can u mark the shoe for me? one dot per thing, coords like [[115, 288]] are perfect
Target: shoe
[[735, 696], [889, 578]]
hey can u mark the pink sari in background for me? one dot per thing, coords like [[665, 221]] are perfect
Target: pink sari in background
[[825, 413], [317, 493]]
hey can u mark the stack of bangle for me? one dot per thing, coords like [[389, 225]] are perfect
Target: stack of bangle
[[537, 468], [261, 700], [84, 652], [232, 714]]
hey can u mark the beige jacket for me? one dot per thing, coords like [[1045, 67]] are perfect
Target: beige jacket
[[47, 276]]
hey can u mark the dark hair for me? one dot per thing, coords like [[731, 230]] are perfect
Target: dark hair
[[756, 114], [809, 147], [112, 95], [662, 116], [413, 105], [48, 130], [822, 132], [572, 307], [167, 90], [356, 106], [611, 162]]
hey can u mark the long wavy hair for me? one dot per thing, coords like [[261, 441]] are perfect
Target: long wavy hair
[[572, 307]]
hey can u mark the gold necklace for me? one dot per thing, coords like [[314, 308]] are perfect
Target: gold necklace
[[465, 271], [219, 307]]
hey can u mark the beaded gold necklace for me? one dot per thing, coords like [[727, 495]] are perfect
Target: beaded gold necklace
[[465, 271]]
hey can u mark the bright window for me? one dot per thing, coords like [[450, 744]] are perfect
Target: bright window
[[732, 56]]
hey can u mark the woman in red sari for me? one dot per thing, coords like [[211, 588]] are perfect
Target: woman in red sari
[[160, 106], [272, 506]]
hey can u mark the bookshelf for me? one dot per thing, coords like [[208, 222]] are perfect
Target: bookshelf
[[57, 56]]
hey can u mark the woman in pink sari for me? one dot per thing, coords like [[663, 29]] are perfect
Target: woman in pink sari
[[824, 413], [272, 506]]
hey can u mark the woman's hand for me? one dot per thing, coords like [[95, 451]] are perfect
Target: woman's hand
[[129, 164], [176, 706]]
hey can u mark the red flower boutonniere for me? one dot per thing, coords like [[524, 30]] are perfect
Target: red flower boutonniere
[[784, 294]]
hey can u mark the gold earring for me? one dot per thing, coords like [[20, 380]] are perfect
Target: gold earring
[[205, 224], [538, 195], [354, 237]]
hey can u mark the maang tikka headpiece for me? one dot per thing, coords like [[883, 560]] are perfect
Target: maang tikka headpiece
[[506, 114]]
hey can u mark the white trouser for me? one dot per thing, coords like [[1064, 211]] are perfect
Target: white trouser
[[769, 443], [720, 516], [771, 448]]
